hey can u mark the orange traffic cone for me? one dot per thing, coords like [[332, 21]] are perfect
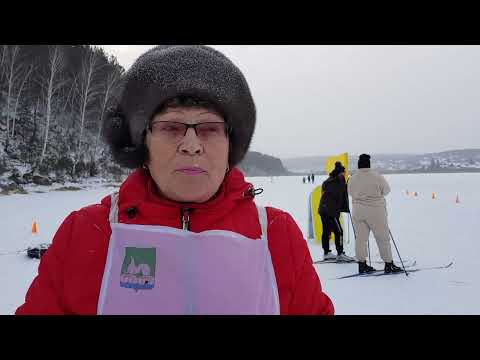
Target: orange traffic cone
[[457, 200], [34, 228], [434, 196]]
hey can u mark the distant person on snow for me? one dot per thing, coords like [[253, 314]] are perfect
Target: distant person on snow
[[368, 190], [308, 177], [332, 203], [303, 179], [313, 178]]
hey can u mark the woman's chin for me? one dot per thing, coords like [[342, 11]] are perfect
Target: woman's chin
[[193, 189]]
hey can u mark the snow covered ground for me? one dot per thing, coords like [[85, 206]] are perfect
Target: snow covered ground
[[431, 231]]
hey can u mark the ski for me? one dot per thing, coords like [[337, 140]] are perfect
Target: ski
[[397, 261], [417, 269], [333, 261], [13, 252], [374, 273]]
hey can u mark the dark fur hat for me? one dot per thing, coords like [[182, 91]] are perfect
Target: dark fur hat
[[169, 71]]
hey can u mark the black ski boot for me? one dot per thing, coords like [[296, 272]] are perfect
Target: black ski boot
[[363, 268], [392, 268]]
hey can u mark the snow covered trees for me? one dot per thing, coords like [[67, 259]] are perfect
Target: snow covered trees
[[52, 102], [51, 85]]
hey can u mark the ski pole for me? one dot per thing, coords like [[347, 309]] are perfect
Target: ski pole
[[406, 273], [348, 231], [353, 228], [355, 236], [368, 245]]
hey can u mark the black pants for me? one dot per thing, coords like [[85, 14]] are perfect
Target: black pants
[[331, 224]]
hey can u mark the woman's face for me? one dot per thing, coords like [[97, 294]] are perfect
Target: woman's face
[[187, 168]]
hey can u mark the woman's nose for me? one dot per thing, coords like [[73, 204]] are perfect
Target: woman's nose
[[191, 144]]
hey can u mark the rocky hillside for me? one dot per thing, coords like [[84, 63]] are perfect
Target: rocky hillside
[[258, 164]]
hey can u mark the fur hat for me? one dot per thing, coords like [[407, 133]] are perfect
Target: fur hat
[[364, 161], [169, 71]]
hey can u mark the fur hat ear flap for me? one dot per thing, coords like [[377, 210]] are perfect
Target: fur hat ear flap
[[117, 133], [115, 128]]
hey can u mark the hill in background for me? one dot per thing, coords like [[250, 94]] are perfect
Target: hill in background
[[464, 160]]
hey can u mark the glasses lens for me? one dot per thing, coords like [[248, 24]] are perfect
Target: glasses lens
[[168, 130], [211, 131]]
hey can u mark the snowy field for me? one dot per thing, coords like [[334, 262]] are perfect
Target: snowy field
[[431, 231]]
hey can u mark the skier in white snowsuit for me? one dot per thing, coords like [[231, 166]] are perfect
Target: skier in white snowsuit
[[369, 212]]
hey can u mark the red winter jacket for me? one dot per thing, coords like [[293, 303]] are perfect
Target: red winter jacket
[[70, 273]]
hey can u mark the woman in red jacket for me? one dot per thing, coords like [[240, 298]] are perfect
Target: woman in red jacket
[[183, 234]]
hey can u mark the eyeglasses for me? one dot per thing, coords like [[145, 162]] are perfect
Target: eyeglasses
[[173, 132]]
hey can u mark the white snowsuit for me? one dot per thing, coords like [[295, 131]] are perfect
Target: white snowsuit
[[368, 190]]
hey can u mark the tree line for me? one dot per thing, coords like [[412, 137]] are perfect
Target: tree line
[[52, 102]]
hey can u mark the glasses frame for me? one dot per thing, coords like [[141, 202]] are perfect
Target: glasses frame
[[193, 126]]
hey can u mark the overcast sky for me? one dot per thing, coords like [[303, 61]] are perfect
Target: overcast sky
[[323, 100]]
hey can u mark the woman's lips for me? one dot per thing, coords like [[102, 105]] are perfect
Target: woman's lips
[[189, 170]]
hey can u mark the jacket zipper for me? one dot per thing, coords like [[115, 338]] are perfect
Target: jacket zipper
[[185, 218]]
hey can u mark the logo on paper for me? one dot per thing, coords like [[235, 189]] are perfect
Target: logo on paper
[[138, 268]]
